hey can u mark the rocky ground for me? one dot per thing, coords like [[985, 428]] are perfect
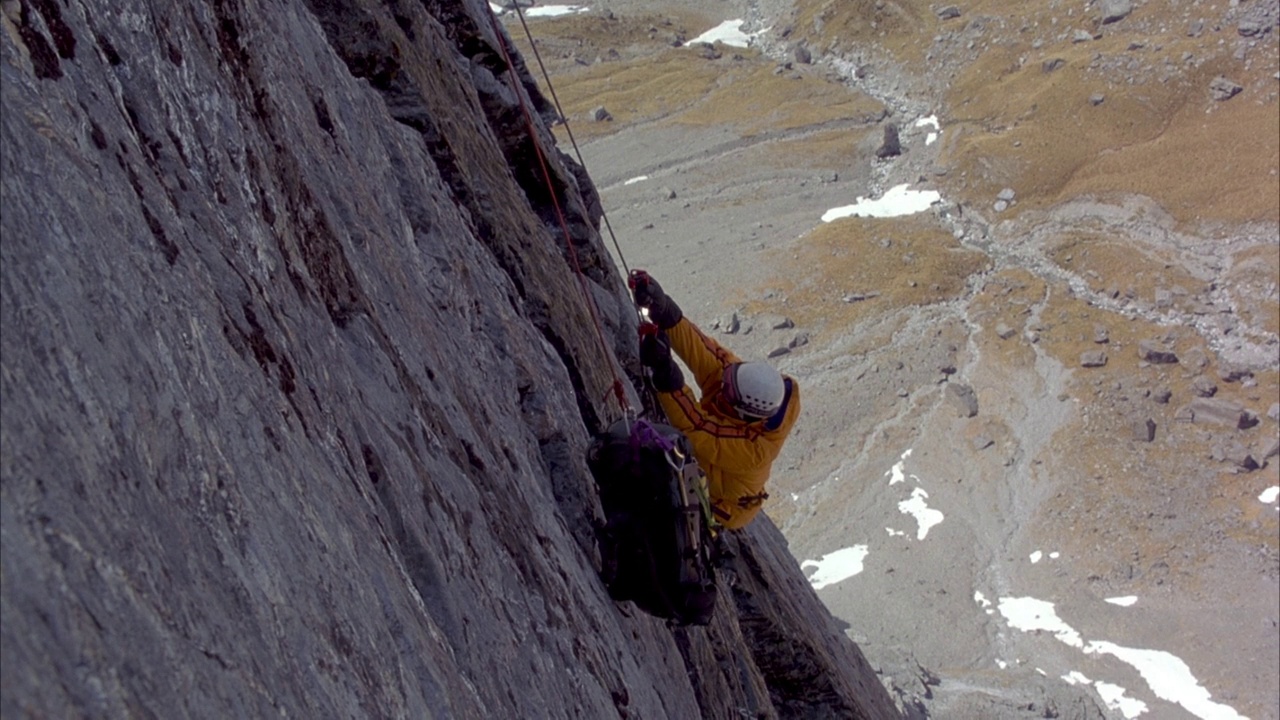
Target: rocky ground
[[1073, 356]]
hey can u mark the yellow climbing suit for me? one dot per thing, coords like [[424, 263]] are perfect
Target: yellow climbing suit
[[737, 455]]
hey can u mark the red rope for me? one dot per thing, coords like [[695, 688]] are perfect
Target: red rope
[[618, 388]]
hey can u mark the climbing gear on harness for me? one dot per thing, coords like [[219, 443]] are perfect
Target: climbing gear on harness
[[754, 389]]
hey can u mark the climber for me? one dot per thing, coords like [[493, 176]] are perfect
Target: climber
[[744, 414]]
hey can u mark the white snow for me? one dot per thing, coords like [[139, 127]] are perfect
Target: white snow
[[634, 180], [1124, 601], [900, 200], [1035, 557], [1270, 495], [1030, 614], [1114, 697], [1169, 678], [895, 533], [554, 10], [542, 10], [1166, 675], [836, 566], [728, 32], [1076, 677], [931, 121], [896, 474], [926, 517]]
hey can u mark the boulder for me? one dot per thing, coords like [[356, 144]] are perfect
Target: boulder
[[891, 147], [963, 399], [1219, 411], [1220, 88], [1115, 10], [1155, 353], [1235, 453], [1203, 386], [1144, 430], [1093, 358]]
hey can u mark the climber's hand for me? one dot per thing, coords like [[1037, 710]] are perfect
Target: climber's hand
[[648, 294], [655, 354]]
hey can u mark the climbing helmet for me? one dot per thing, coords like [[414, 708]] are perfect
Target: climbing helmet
[[754, 389]]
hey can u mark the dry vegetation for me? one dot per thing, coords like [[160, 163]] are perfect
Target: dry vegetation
[[903, 261], [1157, 131]]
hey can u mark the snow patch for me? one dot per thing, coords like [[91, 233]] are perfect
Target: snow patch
[[1169, 678], [554, 10], [1029, 614], [900, 200], [1124, 601], [1075, 677], [895, 473], [1114, 697], [836, 566], [728, 32], [926, 517]]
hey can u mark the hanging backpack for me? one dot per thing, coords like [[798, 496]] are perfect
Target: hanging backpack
[[656, 544]]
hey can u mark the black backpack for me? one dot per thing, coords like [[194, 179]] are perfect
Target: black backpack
[[656, 546]]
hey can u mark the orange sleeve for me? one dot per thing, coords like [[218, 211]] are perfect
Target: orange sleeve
[[704, 356]]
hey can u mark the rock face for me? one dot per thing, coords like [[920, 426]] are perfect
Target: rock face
[[298, 377]]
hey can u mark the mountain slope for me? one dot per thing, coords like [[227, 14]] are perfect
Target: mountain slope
[[298, 378]]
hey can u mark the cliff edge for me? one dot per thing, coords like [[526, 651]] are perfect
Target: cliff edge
[[298, 377]]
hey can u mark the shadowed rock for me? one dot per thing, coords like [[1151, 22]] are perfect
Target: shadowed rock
[[891, 147], [1155, 353]]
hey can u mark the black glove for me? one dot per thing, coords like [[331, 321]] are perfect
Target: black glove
[[648, 294], [655, 354]]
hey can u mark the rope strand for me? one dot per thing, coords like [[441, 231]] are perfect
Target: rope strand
[[564, 119], [618, 388]]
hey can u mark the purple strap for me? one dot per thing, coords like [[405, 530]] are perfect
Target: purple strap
[[644, 434]]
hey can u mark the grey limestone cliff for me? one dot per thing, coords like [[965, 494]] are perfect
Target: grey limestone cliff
[[297, 382]]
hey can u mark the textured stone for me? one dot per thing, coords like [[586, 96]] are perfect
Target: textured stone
[[1203, 386], [1093, 358], [1223, 89], [1144, 430], [1220, 411], [963, 399], [891, 146], [1115, 10], [1153, 352], [298, 380]]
